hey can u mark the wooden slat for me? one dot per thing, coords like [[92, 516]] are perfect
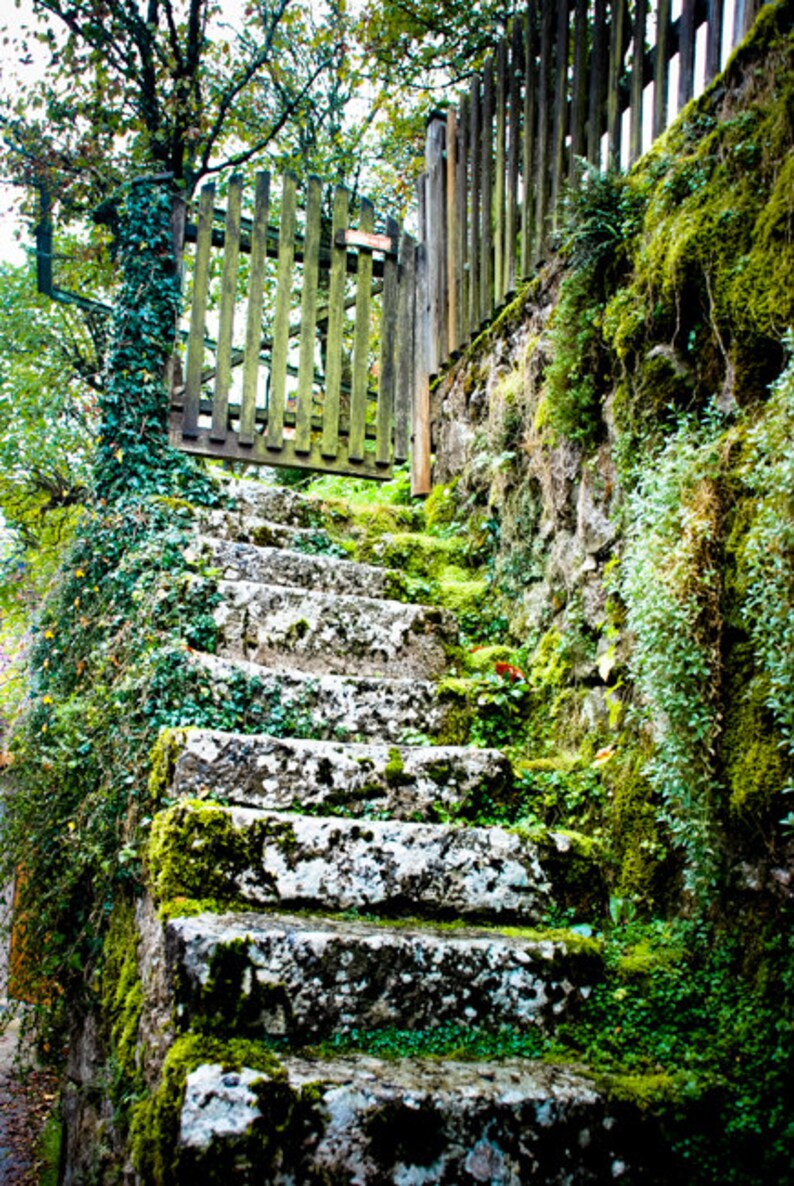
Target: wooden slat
[[336, 325], [474, 217], [486, 197], [404, 356], [597, 80], [686, 53], [529, 139], [560, 109], [223, 354], [500, 285], [662, 67], [714, 39], [198, 312], [617, 32], [358, 397], [308, 331], [420, 450], [278, 366], [579, 88], [454, 262], [637, 82], [388, 344], [513, 153], [544, 130], [433, 239], [462, 185], [253, 329]]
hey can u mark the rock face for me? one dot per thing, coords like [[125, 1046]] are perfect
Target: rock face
[[324, 890]]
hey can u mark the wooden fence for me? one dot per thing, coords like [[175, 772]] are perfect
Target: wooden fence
[[326, 354], [554, 93]]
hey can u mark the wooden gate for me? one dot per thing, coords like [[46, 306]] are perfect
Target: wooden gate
[[319, 374]]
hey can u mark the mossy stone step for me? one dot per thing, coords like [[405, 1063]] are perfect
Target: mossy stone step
[[387, 867], [331, 633], [281, 566], [369, 1121], [244, 527], [351, 707], [307, 978]]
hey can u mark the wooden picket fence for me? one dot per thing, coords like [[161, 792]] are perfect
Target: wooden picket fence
[[312, 393], [554, 93]]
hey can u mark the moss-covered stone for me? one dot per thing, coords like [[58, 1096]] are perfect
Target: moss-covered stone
[[195, 851]]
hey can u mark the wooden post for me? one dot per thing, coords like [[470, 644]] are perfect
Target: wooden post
[[511, 222], [420, 452], [308, 330], [201, 277], [384, 446], [637, 82], [405, 350], [434, 240], [617, 48], [253, 328], [560, 110], [595, 103], [486, 236], [278, 358], [662, 67], [336, 325], [358, 395], [454, 262], [223, 365], [528, 155], [474, 219], [714, 39], [544, 122], [579, 88], [686, 53], [499, 177]]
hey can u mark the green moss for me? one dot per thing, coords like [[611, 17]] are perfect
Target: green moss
[[394, 771], [441, 505], [482, 660], [195, 851], [413, 553], [756, 766], [638, 840], [162, 761], [646, 1092], [550, 665], [122, 1005], [645, 957]]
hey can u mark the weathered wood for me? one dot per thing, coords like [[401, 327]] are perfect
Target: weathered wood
[[278, 364], [486, 200], [434, 240], [529, 139], [382, 243], [336, 323], [388, 343], [714, 39], [686, 53], [617, 46], [474, 218], [223, 353], [578, 88], [358, 397], [560, 109], [462, 186], [499, 174], [513, 152], [308, 330], [420, 451], [544, 129], [597, 80], [662, 67], [404, 356], [253, 329], [637, 81], [198, 312], [453, 235]]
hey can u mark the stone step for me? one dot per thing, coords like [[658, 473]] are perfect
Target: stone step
[[308, 978], [368, 1121], [281, 566], [336, 706], [279, 504], [243, 527], [388, 867], [401, 782], [327, 632]]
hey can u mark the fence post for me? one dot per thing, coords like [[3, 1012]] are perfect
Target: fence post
[[434, 238]]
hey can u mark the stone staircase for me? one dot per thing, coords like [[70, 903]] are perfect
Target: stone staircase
[[302, 891]]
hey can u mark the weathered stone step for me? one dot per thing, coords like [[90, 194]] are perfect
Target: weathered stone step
[[330, 863], [332, 633], [405, 782], [336, 706], [370, 1122], [280, 566], [279, 504], [307, 978], [243, 527]]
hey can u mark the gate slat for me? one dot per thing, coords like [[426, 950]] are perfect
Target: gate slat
[[616, 51], [253, 329], [336, 322], [500, 285], [662, 67], [714, 39], [486, 201], [198, 312], [560, 110], [231, 255], [278, 365], [544, 121], [511, 223], [579, 88], [463, 222], [405, 368], [595, 102], [358, 396], [308, 333], [686, 51], [420, 453], [452, 235], [528, 158], [637, 83], [388, 335], [474, 221]]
